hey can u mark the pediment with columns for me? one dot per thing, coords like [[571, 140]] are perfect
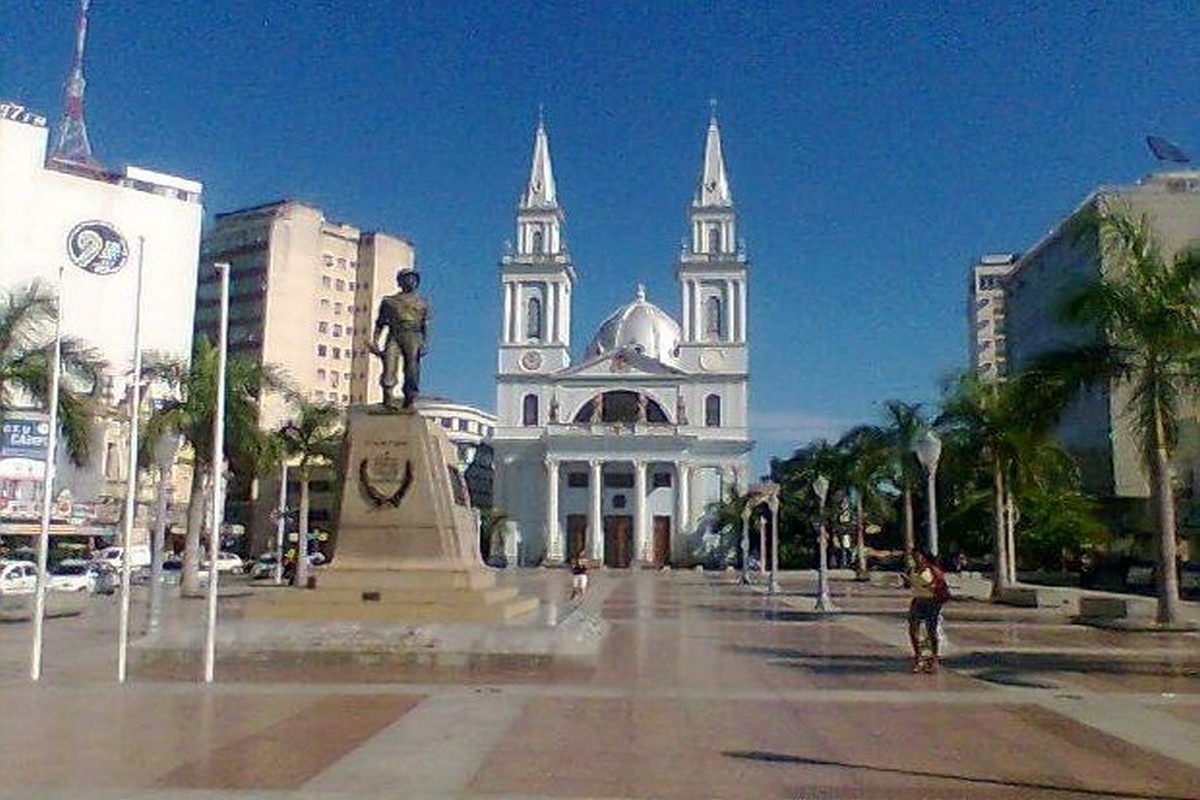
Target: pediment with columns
[[623, 363]]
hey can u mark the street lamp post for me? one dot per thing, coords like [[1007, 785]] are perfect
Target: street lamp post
[[929, 450], [744, 580], [824, 602]]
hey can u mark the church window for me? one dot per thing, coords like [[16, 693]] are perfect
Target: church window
[[533, 318], [529, 410], [618, 501], [714, 323], [712, 411], [661, 480], [618, 480], [539, 241], [714, 239], [577, 480]]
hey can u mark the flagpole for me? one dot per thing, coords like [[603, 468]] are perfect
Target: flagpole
[[135, 404], [39, 613], [218, 477]]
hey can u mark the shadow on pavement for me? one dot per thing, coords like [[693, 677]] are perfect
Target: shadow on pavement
[[787, 758]]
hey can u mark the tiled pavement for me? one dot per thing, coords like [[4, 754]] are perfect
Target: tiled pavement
[[702, 689]]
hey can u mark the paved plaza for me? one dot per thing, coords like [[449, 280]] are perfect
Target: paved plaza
[[701, 689]]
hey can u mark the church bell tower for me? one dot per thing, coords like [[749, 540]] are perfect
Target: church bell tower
[[712, 273], [537, 277]]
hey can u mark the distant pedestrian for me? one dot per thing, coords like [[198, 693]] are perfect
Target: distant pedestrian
[[579, 580], [929, 593]]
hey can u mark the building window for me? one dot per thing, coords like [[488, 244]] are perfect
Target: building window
[[328, 260], [337, 353], [713, 322], [325, 281], [320, 374], [618, 501], [660, 480], [322, 327], [618, 480], [335, 378], [529, 410], [714, 239], [577, 480], [337, 330], [322, 350], [533, 318], [350, 286], [337, 309], [341, 263], [462, 424], [539, 245], [712, 411], [340, 285]]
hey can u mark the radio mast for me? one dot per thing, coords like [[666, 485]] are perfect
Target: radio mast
[[72, 146]]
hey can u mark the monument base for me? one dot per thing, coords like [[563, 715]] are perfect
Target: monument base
[[469, 595]]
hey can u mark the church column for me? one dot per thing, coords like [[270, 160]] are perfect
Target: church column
[[734, 321], [595, 523], [554, 548], [741, 290], [508, 313], [553, 318], [641, 546], [697, 329], [683, 476]]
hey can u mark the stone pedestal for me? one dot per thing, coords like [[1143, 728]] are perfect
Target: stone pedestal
[[407, 543]]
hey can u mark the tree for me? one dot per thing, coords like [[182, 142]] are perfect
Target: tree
[[1143, 316], [312, 439], [797, 474], [1005, 428], [190, 411], [725, 518], [866, 451], [27, 317], [905, 423]]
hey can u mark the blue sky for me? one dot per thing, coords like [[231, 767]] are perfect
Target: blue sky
[[875, 149]]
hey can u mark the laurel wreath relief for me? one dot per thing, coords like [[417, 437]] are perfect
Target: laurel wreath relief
[[379, 498]]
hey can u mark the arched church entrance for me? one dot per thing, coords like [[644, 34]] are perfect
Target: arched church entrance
[[622, 406]]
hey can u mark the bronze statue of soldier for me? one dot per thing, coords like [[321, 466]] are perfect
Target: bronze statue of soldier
[[401, 329]]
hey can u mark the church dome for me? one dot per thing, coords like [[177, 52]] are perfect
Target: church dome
[[640, 326]]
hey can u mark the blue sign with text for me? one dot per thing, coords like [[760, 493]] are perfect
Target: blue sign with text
[[24, 437]]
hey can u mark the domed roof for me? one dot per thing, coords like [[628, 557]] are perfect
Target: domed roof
[[640, 326]]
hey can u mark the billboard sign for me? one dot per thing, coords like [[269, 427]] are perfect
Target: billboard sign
[[24, 437]]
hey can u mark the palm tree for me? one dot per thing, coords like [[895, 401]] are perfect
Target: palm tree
[[193, 389], [1143, 312], [1007, 426], [312, 439], [905, 424], [725, 518], [27, 316], [866, 451]]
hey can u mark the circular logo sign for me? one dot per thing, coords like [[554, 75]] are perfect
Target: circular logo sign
[[97, 247]]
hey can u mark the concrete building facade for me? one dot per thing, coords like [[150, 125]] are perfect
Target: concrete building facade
[[303, 296], [1097, 428], [986, 315], [615, 457], [98, 226]]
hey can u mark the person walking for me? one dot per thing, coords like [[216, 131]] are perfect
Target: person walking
[[927, 584], [579, 580]]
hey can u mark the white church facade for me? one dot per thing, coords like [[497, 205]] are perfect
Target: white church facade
[[615, 457]]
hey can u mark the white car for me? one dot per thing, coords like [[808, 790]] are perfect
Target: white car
[[18, 577], [112, 556], [73, 575], [226, 562]]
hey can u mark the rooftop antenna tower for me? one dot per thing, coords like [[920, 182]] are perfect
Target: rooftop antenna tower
[[72, 147]]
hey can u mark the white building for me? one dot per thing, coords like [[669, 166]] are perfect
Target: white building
[[986, 315], [615, 457], [97, 227]]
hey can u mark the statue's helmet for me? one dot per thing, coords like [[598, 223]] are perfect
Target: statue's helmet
[[408, 279]]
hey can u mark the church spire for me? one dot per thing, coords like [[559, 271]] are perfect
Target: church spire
[[541, 192], [714, 185]]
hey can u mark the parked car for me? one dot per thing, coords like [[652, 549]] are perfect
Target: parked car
[[263, 566], [226, 562], [18, 577], [139, 556], [73, 575]]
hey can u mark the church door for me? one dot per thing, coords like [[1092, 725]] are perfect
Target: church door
[[576, 537], [618, 540], [662, 540]]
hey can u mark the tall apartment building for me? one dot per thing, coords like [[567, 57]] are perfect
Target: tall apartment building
[[986, 316], [1097, 429], [303, 294]]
